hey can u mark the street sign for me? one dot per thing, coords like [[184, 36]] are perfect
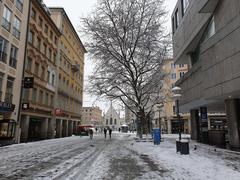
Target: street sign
[[25, 106], [28, 82]]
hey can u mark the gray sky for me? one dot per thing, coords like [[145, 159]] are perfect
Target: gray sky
[[79, 8]]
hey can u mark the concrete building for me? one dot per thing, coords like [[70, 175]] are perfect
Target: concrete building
[[92, 115], [112, 119], [168, 118], [206, 35], [13, 31], [70, 76], [38, 122]]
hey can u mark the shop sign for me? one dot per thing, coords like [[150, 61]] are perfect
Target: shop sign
[[58, 111], [25, 106], [28, 82], [6, 107], [204, 119]]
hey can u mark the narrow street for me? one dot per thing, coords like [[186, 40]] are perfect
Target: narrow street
[[118, 158]]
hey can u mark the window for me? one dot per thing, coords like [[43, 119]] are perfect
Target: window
[[40, 98], [173, 25], [6, 22], [19, 5], [173, 75], [181, 74], [1, 83], [16, 27], [54, 58], [29, 64], [49, 54], [3, 49], [51, 100], [46, 29], [30, 37], [36, 69], [176, 19], [9, 90], [34, 95], [48, 76], [25, 94], [210, 29], [181, 65], [55, 40], [185, 4], [44, 48], [33, 14], [173, 65], [51, 35], [13, 57], [111, 121], [53, 79], [46, 98], [40, 22], [106, 121], [43, 73], [115, 121], [39, 41], [60, 76], [174, 109]]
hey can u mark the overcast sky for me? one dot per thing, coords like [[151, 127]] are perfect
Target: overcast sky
[[79, 8]]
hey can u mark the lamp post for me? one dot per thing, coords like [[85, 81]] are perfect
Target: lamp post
[[176, 95]]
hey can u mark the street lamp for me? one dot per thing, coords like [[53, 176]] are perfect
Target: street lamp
[[176, 96]]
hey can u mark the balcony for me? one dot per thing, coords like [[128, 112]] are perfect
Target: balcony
[[76, 68]]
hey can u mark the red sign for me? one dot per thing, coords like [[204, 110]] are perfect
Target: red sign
[[58, 111]]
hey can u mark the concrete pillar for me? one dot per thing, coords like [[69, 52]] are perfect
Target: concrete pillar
[[65, 128], [51, 128], [24, 125], [59, 128], [194, 115], [70, 128], [74, 127], [169, 126], [44, 128], [233, 121]]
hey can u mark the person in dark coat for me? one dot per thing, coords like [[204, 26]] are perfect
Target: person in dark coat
[[91, 133], [110, 132], [105, 132]]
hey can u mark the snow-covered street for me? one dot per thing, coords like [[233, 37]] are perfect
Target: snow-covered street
[[117, 158]]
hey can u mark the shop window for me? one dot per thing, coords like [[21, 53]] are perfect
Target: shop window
[[7, 128]]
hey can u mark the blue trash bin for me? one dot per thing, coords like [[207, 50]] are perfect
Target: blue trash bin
[[156, 136]]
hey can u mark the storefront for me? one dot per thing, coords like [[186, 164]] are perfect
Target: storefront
[[7, 125]]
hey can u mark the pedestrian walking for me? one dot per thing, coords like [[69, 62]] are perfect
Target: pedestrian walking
[[91, 133], [110, 132], [105, 132], [119, 129]]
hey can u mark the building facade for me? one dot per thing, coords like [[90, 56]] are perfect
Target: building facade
[[206, 37], [166, 113], [13, 31], [92, 115], [37, 122], [112, 119], [70, 75]]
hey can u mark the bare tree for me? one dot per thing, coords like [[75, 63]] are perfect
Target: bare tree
[[128, 41]]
